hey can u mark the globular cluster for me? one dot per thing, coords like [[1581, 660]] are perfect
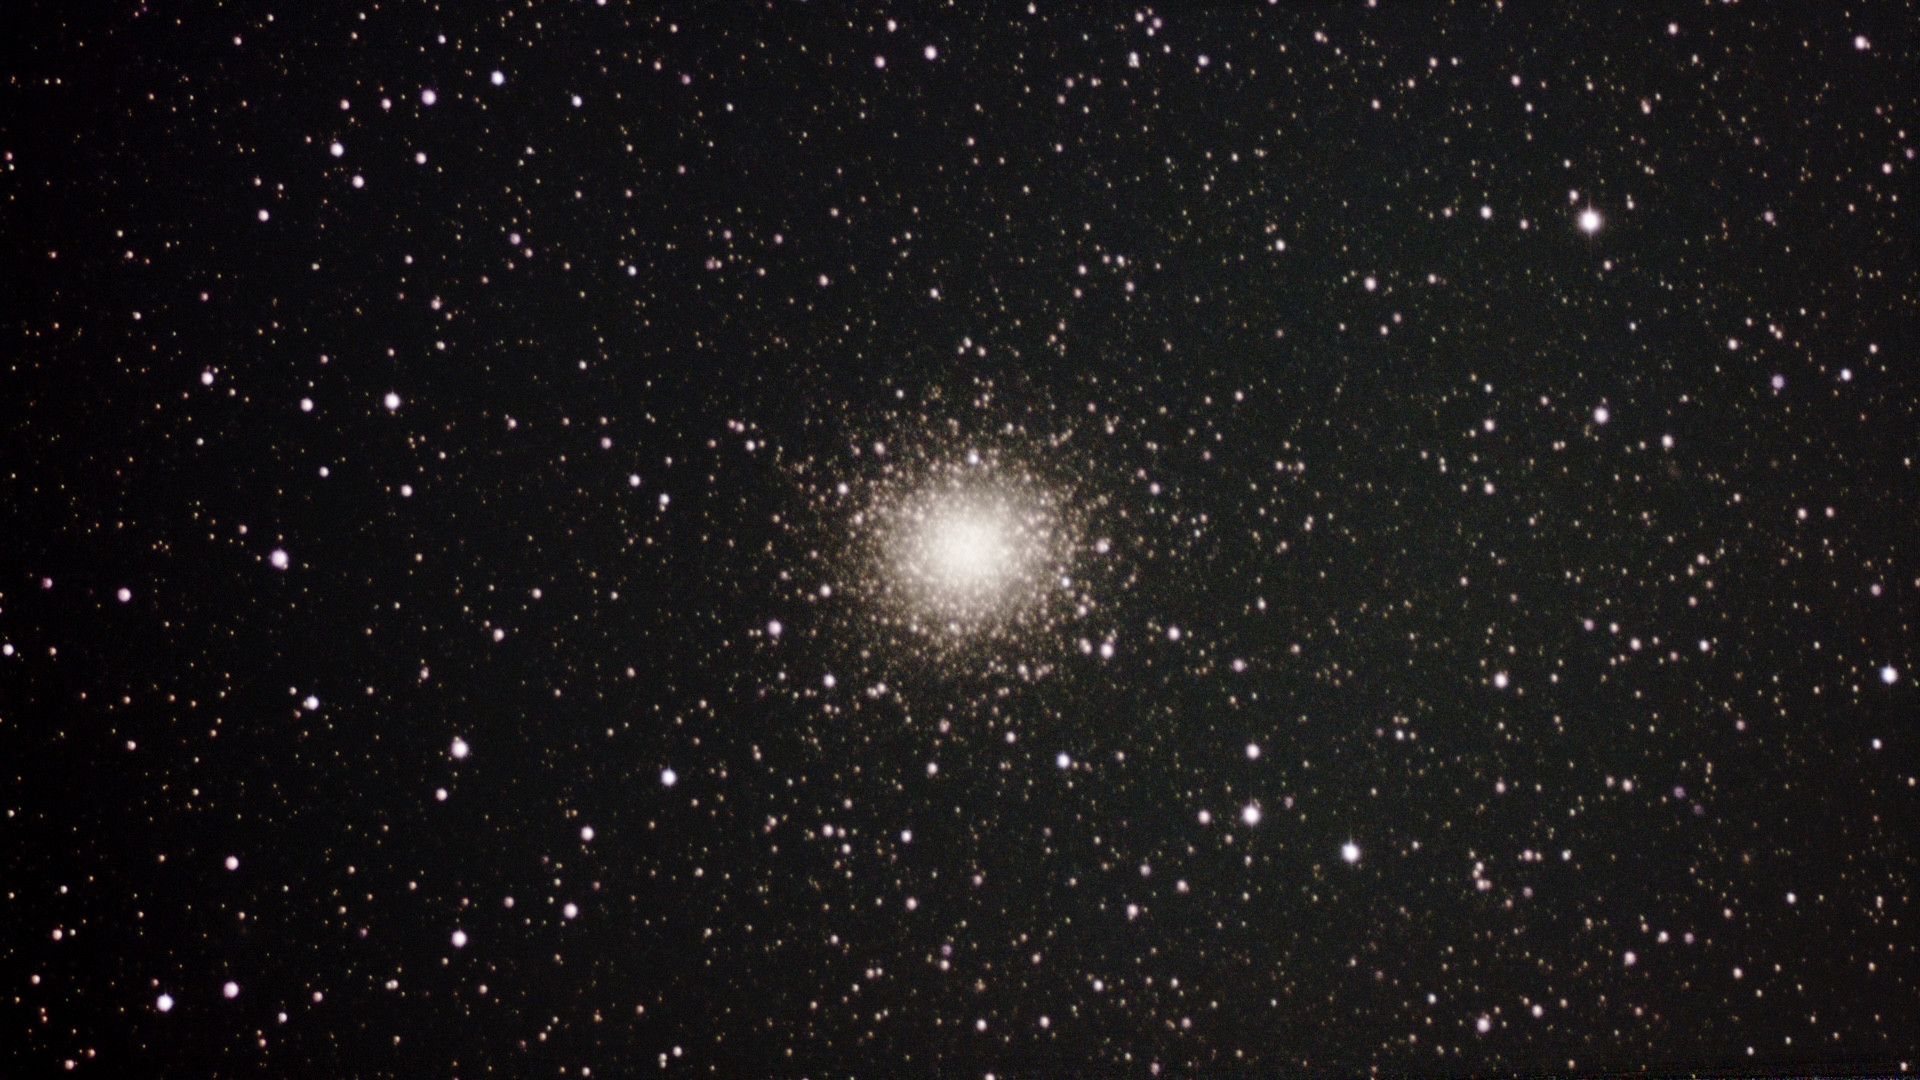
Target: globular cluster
[[965, 548], [587, 540], [951, 547]]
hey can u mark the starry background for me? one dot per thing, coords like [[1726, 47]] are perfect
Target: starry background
[[1561, 565]]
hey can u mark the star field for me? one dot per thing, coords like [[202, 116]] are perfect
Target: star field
[[585, 540]]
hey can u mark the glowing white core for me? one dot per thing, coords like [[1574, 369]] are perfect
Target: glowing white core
[[968, 550]]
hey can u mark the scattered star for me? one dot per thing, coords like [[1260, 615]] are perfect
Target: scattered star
[[1047, 502]]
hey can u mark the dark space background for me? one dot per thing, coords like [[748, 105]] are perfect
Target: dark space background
[[1566, 569]]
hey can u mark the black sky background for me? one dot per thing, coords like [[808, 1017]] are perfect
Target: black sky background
[[1025, 243]]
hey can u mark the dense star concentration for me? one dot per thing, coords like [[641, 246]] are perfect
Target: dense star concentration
[[964, 550], [587, 540], [954, 551]]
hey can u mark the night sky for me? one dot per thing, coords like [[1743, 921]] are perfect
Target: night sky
[[570, 539]]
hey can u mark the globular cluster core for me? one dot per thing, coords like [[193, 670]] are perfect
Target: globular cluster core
[[966, 550], [959, 544]]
